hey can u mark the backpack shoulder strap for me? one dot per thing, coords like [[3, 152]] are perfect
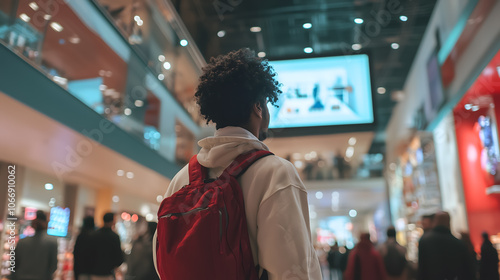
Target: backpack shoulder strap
[[243, 162], [197, 172]]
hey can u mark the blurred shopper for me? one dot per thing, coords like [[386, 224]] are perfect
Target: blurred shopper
[[234, 93], [488, 267], [140, 264], [344, 259], [107, 252], [36, 256], [427, 222], [465, 238], [394, 256], [441, 255], [82, 260], [334, 258], [365, 263]]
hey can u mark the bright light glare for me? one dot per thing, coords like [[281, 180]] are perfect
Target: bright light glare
[[24, 17], [184, 42], [307, 25], [34, 6], [356, 47], [395, 46], [352, 141], [261, 54], [221, 33], [167, 65], [319, 195], [403, 18], [255, 29], [381, 90], [358, 20], [308, 50], [353, 213], [56, 26], [349, 152], [49, 186]]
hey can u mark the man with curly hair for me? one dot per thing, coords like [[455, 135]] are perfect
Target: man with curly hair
[[233, 93]]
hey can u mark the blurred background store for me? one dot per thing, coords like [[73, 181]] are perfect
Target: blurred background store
[[393, 116]]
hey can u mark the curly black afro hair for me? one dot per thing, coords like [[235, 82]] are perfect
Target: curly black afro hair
[[231, 84]]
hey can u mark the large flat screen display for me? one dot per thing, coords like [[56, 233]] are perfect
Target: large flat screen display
[[326, 91]]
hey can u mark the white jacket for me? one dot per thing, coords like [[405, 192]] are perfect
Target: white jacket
[[275, 203]]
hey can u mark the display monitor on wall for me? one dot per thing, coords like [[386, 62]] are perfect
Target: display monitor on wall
[[323, 92]]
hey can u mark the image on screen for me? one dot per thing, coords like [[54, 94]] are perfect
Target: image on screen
[[324, 91]]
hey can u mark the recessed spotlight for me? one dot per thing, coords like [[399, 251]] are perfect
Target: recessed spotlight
[[140, 22], [161, 77], [149, 217], [184, 42], [49, 186], [130, 175], [139, 103], [47, 17], [167, 65], [74, 40], [56, 26], [159, 198], [349, 152], [308, 50], [137, 18], [115, 199], [395, 46], [353, 213], [403, 18], [358, 20], [255, 29], [120, 172], [307, 25], [24, 17], [468, 106], [319, 195], [352, 141], [475, 108], [127, 111], [34, 6], [381, 90], [356, 47], [221, 33], [161, 58], [261, 54]]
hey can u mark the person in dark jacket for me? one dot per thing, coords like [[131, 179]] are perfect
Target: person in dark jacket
[[82, 251], [140, 262], [365, 263], [107, 252], [465, 238], [36, 256], [441, 255], [488, 267]]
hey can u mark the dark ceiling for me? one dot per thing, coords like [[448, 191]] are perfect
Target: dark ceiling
[[333, 32]]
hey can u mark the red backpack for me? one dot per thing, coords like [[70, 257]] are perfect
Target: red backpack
[[202, 228]]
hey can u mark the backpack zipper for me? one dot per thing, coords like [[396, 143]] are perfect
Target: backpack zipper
[[184, 213]]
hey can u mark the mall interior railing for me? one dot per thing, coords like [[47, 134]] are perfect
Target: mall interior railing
[[129, 63]]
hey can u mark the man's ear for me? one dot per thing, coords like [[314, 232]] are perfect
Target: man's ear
[[257, 109]]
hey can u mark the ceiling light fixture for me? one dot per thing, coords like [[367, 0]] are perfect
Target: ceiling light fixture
[[358, 20], [120, 172], [127, 112], [167, 65], [356, 47], [475, 108], [161, 77], [307, 25], [49, 186], [403, 18], [56, 26], [352, 141], [468, 106], [255, 29], [308, 50], [221, 33], [319, 195], [139, 103], [381, 90], [34, 6], [395, 46], [349, 152], [161, 58], [115, 199], [184, 42], [130, 175], [353, 213], [261, 54], [24, 17]]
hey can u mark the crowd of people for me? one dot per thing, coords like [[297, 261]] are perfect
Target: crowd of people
[[440, 256], [97, 253]]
